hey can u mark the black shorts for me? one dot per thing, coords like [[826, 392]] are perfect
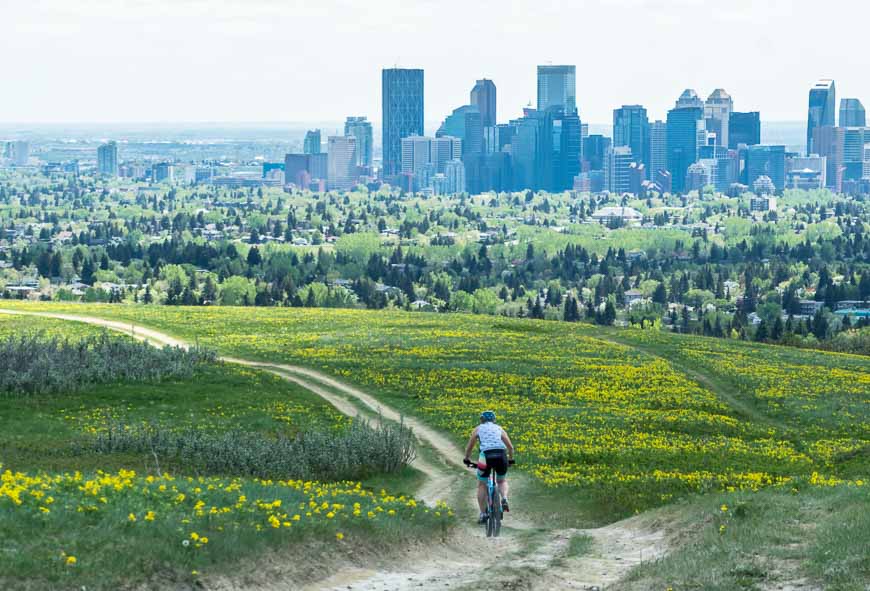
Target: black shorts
[[494, 459]]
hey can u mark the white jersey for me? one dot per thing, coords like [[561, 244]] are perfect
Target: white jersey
[[489, 435]]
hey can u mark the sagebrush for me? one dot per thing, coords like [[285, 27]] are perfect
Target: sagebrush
[[360, 450], [39, 364]]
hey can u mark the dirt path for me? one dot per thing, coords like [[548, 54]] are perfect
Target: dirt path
[[533, 557]]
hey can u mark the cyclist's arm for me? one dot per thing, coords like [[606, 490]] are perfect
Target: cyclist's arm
[[471, 442], [507, 442]]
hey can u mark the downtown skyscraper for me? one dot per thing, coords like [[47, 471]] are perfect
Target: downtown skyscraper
[[402, 111], [822, 110], [852, 113], [361, 129], [483, 96], [631, 128], [557, 88], [684, 121]]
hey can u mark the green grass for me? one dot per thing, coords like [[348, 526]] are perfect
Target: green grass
[[764, 540], [60, 498], [620, 427]]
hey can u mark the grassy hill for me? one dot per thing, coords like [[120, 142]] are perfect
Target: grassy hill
[[609, 423]]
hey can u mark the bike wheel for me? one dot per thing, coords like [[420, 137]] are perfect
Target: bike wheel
[[496, 512]]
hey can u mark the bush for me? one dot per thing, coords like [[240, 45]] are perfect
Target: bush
[[36, 364], [359, 451]]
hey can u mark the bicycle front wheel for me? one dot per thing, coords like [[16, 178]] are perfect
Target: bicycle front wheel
[[496, 512]]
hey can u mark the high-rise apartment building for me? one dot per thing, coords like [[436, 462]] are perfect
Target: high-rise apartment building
[[744, 128], [107, 159], [822, 106], [312, 142], [684, 123], [852, 113], [717, 113], [361, 129], [631, 128], [557, 88], [341, 163], [658, 148], [483, 96], [402, 111]]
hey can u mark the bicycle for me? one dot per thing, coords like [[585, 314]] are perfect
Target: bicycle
[[494, 512]]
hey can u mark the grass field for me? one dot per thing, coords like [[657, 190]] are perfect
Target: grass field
[[632, 425], [69, 511]]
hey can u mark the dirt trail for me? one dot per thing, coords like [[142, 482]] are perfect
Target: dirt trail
[[533, 558]]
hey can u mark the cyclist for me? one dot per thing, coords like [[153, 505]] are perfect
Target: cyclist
[[496, 451]]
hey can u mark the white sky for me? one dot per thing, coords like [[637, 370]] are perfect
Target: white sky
[[320, 60]]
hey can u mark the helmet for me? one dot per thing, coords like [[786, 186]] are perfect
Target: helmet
[[487, 416]]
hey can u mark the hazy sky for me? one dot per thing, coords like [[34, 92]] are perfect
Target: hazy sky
[[320, 60]]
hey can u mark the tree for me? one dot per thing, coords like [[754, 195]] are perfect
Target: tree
[[236, 290], [254, 257]]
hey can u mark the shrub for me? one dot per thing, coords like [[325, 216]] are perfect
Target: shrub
[[360, 450], [37, 364]]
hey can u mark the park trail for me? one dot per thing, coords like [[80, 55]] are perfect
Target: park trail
[[526, 556]]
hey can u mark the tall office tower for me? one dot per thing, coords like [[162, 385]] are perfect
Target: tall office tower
[[483, 97], [852, 113], [595, 149], [464, 123], [443, 149], [658, 148], [531, 150], [766, 161], [618, 172], [830, 142], [557, 88], [402, 112], [689, 99], [823, 102], [107, 159], [312, 142], [684, 123], [854, 139], [341, 162], [631, 128], [566, 148], [361, 129], [744, 128], [717, 113], [20, 152], [455, 173]]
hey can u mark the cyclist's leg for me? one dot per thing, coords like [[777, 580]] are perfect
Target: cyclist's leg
[[482, 480]]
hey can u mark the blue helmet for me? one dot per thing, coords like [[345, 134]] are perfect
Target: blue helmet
[[487, 416]]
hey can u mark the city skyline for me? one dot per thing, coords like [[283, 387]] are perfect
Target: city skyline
[[232, 62]]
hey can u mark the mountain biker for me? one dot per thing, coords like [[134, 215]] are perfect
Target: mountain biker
[[496, 451]]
